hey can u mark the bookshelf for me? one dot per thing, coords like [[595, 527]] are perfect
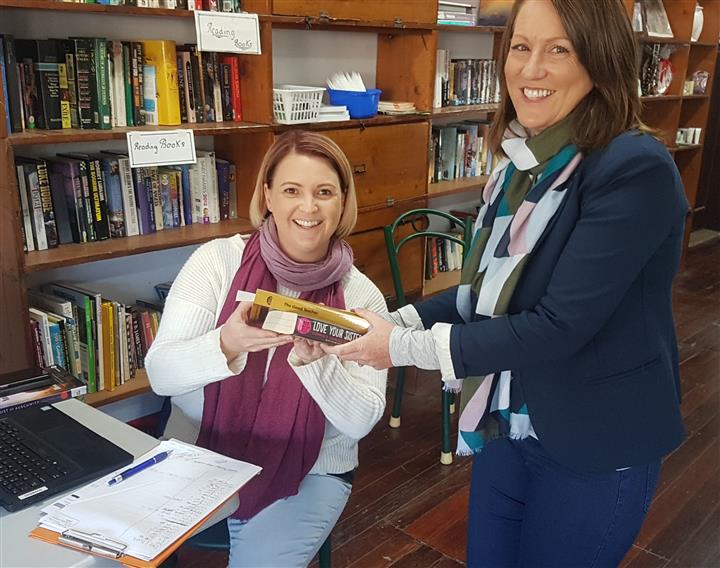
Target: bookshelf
[[674, 110], [389, 154]]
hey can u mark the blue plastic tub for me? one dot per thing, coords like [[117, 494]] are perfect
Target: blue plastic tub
[[359, 104]]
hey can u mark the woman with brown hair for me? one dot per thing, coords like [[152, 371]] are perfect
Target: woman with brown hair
[[265, 398], [560, 336]]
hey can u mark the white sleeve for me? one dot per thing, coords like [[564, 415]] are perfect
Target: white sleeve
[[186, 355], [351, 396]]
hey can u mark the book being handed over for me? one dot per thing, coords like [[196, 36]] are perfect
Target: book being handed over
[[291, 316]]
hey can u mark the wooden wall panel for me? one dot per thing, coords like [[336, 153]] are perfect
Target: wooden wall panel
[[15, 351], [256, 80], [420, 11], [390, 162], [406, 68]]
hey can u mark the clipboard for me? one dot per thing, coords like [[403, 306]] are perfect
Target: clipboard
[[107, 548]]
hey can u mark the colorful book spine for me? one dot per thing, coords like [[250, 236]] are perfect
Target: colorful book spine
[[161, 54]]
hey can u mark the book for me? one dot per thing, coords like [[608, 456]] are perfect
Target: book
[[44, 386], [161, 55], [301, 318]]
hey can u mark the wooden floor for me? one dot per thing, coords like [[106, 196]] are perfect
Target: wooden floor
[[407, 510]]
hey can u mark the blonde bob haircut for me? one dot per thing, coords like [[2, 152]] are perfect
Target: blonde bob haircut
[[307, 144]]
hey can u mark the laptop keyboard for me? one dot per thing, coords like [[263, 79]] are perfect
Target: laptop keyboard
[[22, 470]]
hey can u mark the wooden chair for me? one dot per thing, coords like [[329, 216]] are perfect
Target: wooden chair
[[393, 250]]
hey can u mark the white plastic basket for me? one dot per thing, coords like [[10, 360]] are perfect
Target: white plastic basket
[[293, 104]]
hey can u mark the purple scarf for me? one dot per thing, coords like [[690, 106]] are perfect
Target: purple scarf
[[276, 425]]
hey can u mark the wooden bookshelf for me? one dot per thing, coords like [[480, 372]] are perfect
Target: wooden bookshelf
[[72, 254], [137, 385], [456, 186]]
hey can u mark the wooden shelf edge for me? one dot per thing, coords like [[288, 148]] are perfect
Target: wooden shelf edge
[[68, 135], [470, 29], [377, 120], [315, 22], [452, 187], [73, 254], [659, 98], [464, 109], [93, 8], [135, 386], [685, 147]]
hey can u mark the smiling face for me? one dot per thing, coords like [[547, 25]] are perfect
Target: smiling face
[[544, 77], [306, 201]]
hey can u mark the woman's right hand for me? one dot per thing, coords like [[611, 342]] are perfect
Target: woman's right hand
[[237, 337]]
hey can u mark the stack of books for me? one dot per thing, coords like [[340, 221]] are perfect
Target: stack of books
[[37, 386], [456, 13], [332, 113], [395, 107]]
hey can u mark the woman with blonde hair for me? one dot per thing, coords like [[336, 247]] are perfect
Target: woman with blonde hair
[[265, 398]]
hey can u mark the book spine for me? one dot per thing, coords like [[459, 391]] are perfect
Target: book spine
[[181, 88], [162, 55], [84, 176], [138, 83], [189, 87], [156, 199], [35, 202], [236, 89], [99, 206], [118, 84], [128, 198], [232, 183], [14, 86], [4, 79], [51, 232], [116, 211], [102, 78], [186, 194], [56, 397], [86, 87], [65, 106], [37, 344], [226, 88], [223, 174], [149, 74], [71, 74], [65, 219], [128, 85], [143, 205], [25, 206]]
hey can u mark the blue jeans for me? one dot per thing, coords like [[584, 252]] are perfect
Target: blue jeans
[[289, 533], [527, 510]]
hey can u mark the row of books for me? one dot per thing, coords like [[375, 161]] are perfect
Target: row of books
[[465, 81], [99, 341], [474, 12], [78, 198], [209, 5], [460, 150], [94, 83], [442, 255]]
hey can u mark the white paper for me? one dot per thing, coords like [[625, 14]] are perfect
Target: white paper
[[161, 148], [152, 509], [227, 32]]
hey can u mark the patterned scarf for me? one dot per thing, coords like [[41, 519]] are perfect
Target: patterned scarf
[[273, 423], [523, 193]]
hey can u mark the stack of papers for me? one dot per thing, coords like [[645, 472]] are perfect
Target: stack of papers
[[147, 513], [331, 113], [395, 107]]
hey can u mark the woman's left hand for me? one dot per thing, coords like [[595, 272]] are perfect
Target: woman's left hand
[[307, 350], [371, 349]]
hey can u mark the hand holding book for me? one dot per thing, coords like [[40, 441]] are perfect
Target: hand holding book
[[237, 337]]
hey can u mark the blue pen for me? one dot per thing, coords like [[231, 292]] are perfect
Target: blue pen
[[123, 475]]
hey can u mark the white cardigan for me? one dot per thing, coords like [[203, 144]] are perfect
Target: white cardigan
[[185, 356]]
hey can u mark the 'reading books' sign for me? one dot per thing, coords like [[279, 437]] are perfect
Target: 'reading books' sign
[[161, 148], [227, 32]]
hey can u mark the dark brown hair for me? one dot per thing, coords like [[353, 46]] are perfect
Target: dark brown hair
[[306, 143], [602, 37]]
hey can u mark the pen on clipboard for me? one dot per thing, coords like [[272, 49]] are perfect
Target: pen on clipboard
[[123, 475]]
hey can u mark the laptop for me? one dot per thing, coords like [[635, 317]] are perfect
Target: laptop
[[44, 452]]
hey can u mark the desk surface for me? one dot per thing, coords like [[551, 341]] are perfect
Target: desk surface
[[18, 550]]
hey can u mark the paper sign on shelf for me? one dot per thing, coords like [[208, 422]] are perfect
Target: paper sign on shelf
[[161, 148], [227, 32]]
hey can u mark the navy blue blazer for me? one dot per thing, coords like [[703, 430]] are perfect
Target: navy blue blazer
[[589, 332]]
